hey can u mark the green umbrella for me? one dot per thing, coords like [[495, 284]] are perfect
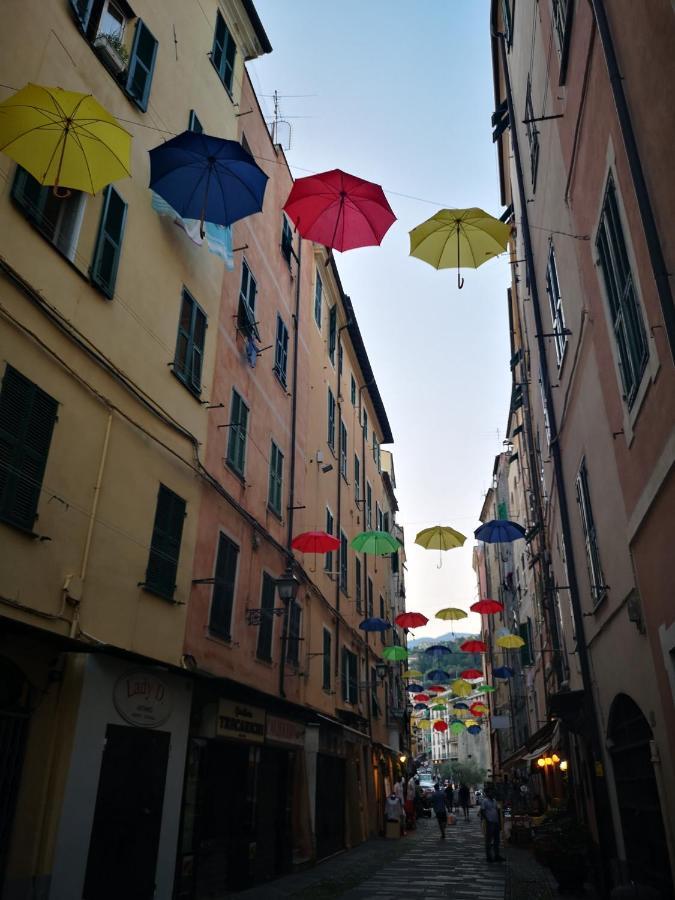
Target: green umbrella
[[485, 689], [395, 653], [456, 727], [377, 543]]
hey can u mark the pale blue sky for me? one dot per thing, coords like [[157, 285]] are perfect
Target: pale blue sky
[[403, 97]]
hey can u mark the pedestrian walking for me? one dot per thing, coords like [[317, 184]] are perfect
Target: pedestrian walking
[[463, 799], [438, 805], [409, 805], [491, 816], [449, 797], [393, 810]]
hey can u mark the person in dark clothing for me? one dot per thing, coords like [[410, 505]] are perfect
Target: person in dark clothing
[[491, 815], [449, 797], [438, 804], [464, 799]]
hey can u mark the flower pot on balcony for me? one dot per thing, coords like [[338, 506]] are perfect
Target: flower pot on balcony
[[112, 56]]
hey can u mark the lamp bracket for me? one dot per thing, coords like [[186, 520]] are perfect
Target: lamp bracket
[[255, 616]]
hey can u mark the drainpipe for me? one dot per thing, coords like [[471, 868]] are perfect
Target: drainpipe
[[599, 789], [659, 270]]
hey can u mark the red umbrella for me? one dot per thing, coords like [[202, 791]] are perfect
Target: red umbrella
[[339, 210], [315, 542], [437, 688], [440, 725], [421, 698], [410, 620], [471, 674], [473, 647], [487, 606], [478, 709]]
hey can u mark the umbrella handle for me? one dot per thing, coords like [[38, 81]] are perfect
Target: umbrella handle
[[61, 193], [460, 281]]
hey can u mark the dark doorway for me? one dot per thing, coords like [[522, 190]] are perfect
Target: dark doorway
[[275, 795], [637, 792], [14, 713], [128, 816], [330, 810]]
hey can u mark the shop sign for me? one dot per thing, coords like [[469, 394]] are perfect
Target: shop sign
[[285, 731], [331, 742], [142, 699], [241, 722]]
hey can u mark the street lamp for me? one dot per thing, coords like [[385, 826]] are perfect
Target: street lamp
[[288, 586]]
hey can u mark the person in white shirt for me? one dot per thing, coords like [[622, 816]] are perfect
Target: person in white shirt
[[491, 815]]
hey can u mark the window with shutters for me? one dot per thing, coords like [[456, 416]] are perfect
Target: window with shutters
[[374, 702], [357, 478], [141, 65], [332, 333], [189, 357], [246, 322], [563, 12], [532, 135], [266, 627], [328, 559], [341, 359], [507, 19], [59, 220], [281, 351], [343, 450], [555, 304], [376, 452], [357, 586], [350, 677], [331, 420], [222, 598], [223, 53], [27, 417], [596, 578], [194, 124], [394, 563], [369, 506], [370, 598], [624, 306], [276, 479], [344, 563], [382, 616], [286, 240], [378, 517], [160, 575], [293, 644], [318, 301], [527, 650], [108, 248], [236, 443], [352, 390], [326, 667]]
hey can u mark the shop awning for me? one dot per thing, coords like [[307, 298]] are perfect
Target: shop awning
[[363, 738]]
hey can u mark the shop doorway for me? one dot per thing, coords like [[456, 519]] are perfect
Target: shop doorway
[[637, 793], [274, 849], [330, 805], [124, 839], [14, 716]]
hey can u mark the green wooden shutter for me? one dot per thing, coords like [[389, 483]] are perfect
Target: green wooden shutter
[[230, 54], [219, 40], [82, 12], [30, 195], [194, 124], [343, 674], [160, 576], [264, 646], [220, 619], [332, 332], [276, 478], [281, 351], [198, 337], [236, 447], [27, 416], [141, 65], [526, 651], [108, 248], [327, 640]]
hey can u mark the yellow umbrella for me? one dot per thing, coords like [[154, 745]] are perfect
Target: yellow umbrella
[[451, 614], [459, 237], [510, 641], [424, 724], [439, 537], [64, 139], [461, 688], [412, 673]]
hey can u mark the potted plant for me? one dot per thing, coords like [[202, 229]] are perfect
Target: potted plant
[[563, 844], [112, 47]]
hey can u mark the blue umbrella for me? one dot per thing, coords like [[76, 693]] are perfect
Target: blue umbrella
[[437, 675], [499, 531], [473, 729], [420, 706], [207, 178], [503, 672], [415, 688], [460, 705], [437, 650], [374, 624]]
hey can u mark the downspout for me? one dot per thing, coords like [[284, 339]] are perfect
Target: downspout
[[649, 226], [365, 560], [600, 793]]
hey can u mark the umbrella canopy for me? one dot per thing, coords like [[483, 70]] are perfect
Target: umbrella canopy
[[459, 704], [315, 542], [440, 725], [456, 727], [414, 688], [412, 673], [374, 624], [499, 531], [473, 647], [456, 238], [376, 543], [437, 675], [420, 706], [461, 688], [394, 653], [439, 537], [439, 705], [487, 607], [339, 210], [436, 688], [478, 709], [438, 650], [424, 724], [471, 674], [421, 698], [510, 641], [64, 139], [503, 672], [451, 614], [473, 729], [485, 689], [410, 620], [207, 178]]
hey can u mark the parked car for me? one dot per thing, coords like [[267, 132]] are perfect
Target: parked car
[[427, 785]]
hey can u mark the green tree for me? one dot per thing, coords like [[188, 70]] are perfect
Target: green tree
[[467, 772]]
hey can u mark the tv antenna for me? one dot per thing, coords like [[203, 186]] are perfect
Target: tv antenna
[[277, 121]]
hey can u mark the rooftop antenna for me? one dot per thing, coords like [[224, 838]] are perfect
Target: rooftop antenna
[[276, 122]]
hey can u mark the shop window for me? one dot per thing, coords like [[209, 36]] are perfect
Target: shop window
[[222, 599], [190, 343], [167, 531]]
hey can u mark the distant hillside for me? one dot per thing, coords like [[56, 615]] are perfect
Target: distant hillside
[[450, 638], [454, 662]]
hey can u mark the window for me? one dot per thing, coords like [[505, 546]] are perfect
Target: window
[[374, 703], [187, 363], [350, 677], [343, 450], [527, 650], [544, 406], [331, 420], [352, 389], [562, 22], [246, 322], [365, 422], [394, 563], [222, 598], [556, 306], [598, 589], [27, 416], [624, 306], [532, 135], [327, 641], [341, 358], [267, 600], [357, 575], [382, 614], [223, 52], [385, 521], [286, 240], [369, 506], [378, 517], [108, 248], [112, 21], [58, 219], [357, 478], [318, 300], [236, 445], [328, 562], [507, 16], [141, 65], [293, 645], [332, 333], [370, 598], [344, 563], [194, 124], [376, 451], [281, 351], [160, 575], [276, 479]]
